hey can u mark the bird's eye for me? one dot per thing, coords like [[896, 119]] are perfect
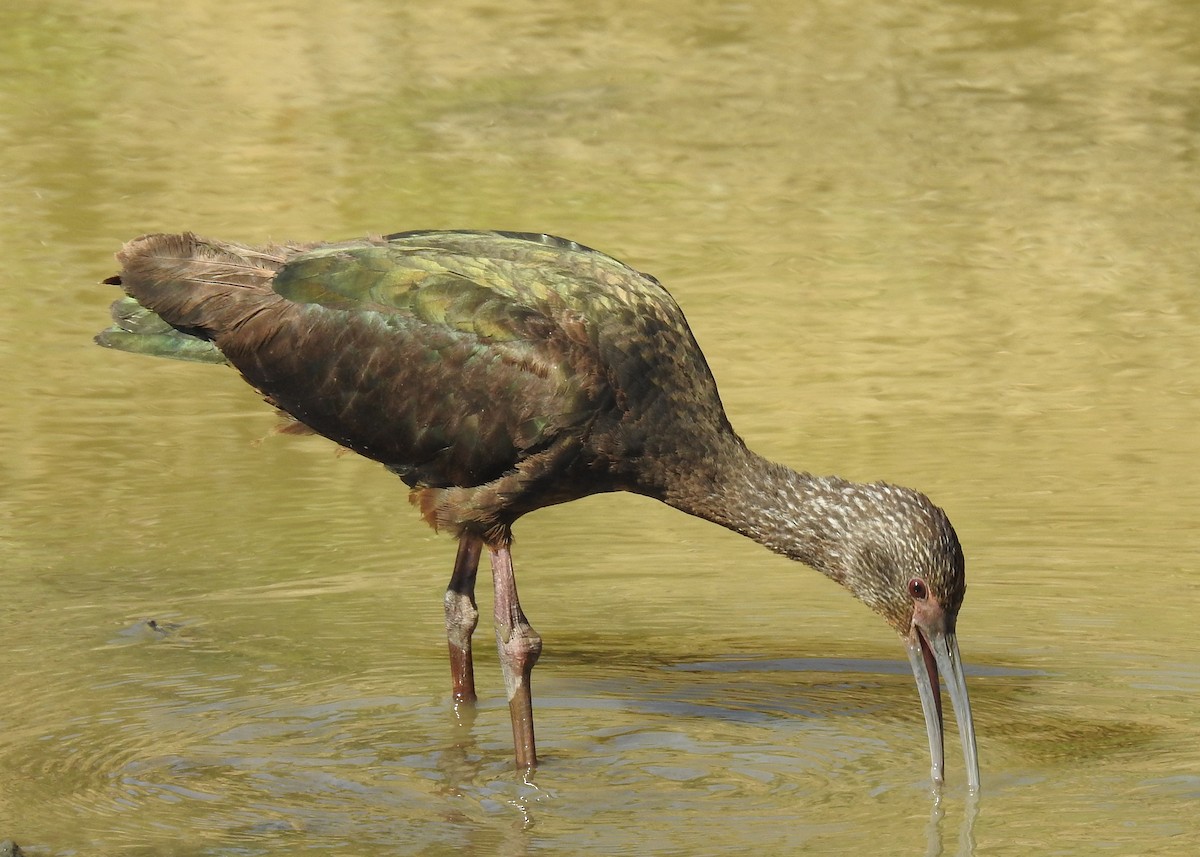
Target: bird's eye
[[918, 589]]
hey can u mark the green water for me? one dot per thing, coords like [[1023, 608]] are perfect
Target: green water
[[947, 244]]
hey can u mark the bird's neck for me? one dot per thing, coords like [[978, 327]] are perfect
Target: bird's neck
[[791, 513]]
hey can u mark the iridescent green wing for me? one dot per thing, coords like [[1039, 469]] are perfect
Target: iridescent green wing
[[449, 366]]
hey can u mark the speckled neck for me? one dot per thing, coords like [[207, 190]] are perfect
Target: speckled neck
[[869, 537], [787, 511]]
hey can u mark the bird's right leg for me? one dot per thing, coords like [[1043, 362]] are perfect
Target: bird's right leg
[[462, 616], [519, 647]]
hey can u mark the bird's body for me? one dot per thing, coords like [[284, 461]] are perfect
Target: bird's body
[[504, 392], [498, 373]]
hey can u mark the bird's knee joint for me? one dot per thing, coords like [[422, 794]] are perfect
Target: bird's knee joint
[[462, 616], [522, 644]]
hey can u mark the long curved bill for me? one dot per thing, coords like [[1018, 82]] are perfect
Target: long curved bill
[[931, 652]]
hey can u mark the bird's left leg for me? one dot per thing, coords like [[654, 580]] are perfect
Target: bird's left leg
[[519, 647], [462, 616]]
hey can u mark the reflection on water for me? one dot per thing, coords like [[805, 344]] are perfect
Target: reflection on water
[[964, 845], [945, 244]]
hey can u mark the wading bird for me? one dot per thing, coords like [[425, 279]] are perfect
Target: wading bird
[[500, 372]]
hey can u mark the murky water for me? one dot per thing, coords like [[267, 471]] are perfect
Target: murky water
[[948, 244]]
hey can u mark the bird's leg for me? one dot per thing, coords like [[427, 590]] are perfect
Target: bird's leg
[[462, 616], [519, 647]]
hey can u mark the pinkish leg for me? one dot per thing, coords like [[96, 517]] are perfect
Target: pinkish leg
[[519, 647], [462, 616]]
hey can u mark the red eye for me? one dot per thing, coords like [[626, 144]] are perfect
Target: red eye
[[917, 589]]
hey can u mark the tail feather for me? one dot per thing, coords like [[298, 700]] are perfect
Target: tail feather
[[138, 330], [184, 291]]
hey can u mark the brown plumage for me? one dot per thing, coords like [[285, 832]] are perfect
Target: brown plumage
[[497, 373]]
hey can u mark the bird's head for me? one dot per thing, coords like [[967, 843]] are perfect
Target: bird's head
[[898, 553], [900, 556]]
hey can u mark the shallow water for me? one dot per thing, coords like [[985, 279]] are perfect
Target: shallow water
[[947, 244]]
